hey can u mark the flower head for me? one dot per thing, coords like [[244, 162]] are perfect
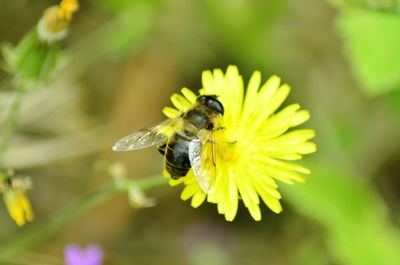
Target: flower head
[[254, 146], [36, 58], [14, 196], [74, 255], [55, 22]]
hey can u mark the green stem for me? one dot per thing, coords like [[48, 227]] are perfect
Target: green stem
[[44, 230], [10, 124]]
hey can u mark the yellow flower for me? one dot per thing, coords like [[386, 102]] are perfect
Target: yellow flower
[[55, 22], [254, 144], [14, 196]]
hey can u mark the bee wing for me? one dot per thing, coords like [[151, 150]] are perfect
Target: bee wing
[[143, 138], [202, 160]]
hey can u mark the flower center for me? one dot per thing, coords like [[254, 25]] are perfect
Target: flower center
[[227, 146], [228, 151]]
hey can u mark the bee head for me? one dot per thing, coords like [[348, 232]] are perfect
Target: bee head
[[211, 102]]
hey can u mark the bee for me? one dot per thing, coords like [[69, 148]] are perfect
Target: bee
[[191, 145]]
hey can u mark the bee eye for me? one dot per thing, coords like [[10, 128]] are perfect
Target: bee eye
[[215, 105], [212, 103], [202, 100]]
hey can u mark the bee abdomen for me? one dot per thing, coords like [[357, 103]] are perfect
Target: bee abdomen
[[175, 171], [177, 161]]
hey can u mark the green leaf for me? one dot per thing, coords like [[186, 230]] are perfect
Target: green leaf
[[371, 42], [358, 230]]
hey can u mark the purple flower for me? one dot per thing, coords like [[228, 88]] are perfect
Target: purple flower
[[91, 255]]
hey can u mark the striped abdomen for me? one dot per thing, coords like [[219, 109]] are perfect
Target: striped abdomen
[[176, 155]]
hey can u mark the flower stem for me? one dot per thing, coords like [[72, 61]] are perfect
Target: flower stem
[[10, 124], [48, 228]]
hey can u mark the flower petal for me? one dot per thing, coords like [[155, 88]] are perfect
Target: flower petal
[[198, 199], [180, 102], [171, 112], [255, 212], [189, 95], [208, 83]]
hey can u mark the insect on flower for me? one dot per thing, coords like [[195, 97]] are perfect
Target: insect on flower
[[191, 145], [233, 146]]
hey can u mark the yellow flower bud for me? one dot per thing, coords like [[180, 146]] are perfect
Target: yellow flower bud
[[17, 203]]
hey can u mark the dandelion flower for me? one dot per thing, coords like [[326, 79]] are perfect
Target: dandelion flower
[[255, 144], [14, 196]]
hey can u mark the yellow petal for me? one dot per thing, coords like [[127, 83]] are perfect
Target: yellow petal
[[18, 206], [208, 83], [219, 82], [189, 95], [251, 95], [171, 112], [180, 102], [270, 201], [299, 118], [189, 191], [198, 199], [277, 99], [246, 190], [255, 212]]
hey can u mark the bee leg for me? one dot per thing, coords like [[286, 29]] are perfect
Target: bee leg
[[161, 148], [175, 177]]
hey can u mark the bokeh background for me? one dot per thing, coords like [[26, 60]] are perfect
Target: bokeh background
[[126, 57]]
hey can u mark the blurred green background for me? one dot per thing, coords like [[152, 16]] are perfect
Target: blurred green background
[[123, 60]]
